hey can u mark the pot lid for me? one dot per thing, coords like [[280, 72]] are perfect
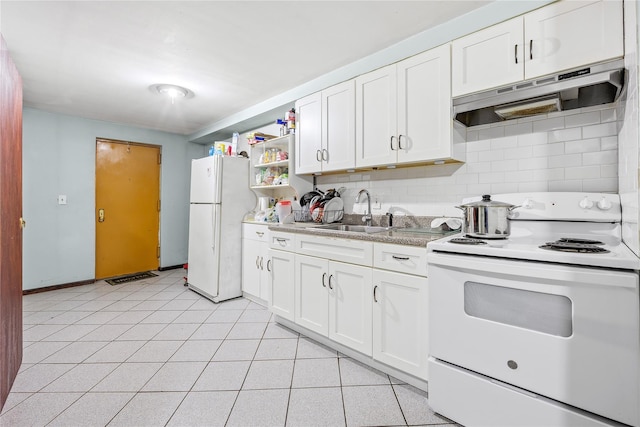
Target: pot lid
[[487, 202]]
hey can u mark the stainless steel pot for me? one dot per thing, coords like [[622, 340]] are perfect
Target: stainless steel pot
[[487, 219]]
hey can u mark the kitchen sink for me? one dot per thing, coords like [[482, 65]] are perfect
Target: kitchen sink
[[353, 228]]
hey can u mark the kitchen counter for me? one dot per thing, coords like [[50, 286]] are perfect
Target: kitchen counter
[[411, 236]]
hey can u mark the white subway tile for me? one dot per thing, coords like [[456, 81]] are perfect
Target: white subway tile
[[469, 178], [472, 135], [582, 146], [472, 157], [482, 145], [555, 174], [600, 185], [608, 115], [518, 129], [549, 124], [566, 185], [480, 167], [478, 189], [518, 153], [609, 171], [533, 163], [528, 187], [491, 178], [505, 187], [488, 156], [504, 166], [566, 160], [555, 149], [502, 143], [598, 131], [565, 134], [533, 139], [517, 176], [583, 119], [609, 143], [582, 172], [491, 133], [600, 158]]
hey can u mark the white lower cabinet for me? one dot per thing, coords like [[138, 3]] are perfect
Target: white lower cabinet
[[255, 254], [334, 299], [400, 321], [400, 328], [281, 283]]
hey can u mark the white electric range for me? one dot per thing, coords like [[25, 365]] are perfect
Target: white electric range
[[521, 333]]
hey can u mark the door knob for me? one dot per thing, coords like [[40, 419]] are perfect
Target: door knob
[[100, 215]]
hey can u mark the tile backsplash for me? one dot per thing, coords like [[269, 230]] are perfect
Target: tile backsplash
[[575, 150]]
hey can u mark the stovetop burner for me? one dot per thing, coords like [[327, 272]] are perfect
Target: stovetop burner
[[569, 245], [579, 241], [467, 241]]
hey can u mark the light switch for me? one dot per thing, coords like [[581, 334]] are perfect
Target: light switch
[[62, 199], [375, 203]]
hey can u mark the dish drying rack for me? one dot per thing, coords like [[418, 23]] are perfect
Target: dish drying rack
[[319, 215]]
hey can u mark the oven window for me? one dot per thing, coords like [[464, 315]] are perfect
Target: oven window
[[540, 312]]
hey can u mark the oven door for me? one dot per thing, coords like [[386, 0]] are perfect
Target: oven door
[[565, 332]]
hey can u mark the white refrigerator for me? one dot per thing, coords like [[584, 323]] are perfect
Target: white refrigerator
[[220, 197]]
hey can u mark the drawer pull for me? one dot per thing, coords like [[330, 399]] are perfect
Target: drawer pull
[[260, 233], [400, 258], [324, 275], [375, 288], [283, 242]]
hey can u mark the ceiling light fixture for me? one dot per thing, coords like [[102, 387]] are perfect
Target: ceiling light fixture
[[172, 91]]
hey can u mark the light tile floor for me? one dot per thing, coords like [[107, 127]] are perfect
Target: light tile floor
[[153, 353]]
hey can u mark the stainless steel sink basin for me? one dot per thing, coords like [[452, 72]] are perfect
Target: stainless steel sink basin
[[352, 228]]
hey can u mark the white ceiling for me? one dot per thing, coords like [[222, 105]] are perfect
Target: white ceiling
[[97, 59]]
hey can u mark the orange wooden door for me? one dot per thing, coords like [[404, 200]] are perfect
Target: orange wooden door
[[127, 208], [10, 221]]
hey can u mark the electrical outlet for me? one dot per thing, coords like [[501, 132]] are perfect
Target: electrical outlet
[[375, 204], [62, 199]]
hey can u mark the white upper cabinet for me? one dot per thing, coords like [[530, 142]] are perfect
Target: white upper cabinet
[[308, 133], [569, 34], [489, 58], [558, 37], [325, 139], [338, 127], [424, 106], [403, 111], [376, 139]]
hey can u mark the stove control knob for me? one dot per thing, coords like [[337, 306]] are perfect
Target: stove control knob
[[604, 204], [586, 203], [527, 204]]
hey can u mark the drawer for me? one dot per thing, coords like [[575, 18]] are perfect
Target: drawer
[[400, 258], [344, 250], [257, 232], [281, 241]]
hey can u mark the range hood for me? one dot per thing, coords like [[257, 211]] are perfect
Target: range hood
[[583, 87]]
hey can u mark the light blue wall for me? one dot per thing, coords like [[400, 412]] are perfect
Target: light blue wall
[[59, 158]]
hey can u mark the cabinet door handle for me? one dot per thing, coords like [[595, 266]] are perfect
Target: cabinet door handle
[[400, 258], [531, 49], [324, 285], [375, 288], [515, 54], [269, 266], [325, 154], [318, 155], [261, 266], [400, 141], [391, 142], [330, 277], [258, 262]]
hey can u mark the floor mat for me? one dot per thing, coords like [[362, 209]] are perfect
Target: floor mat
[[130, 278]]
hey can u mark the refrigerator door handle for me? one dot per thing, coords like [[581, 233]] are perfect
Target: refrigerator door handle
[[213, 230]]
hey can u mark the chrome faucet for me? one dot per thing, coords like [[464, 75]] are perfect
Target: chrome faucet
[[367, 217]]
